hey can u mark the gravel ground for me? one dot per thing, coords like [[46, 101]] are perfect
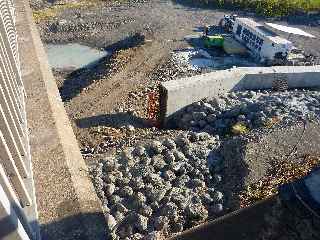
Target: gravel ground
[[205, 168], [162, 186], [238, 112]]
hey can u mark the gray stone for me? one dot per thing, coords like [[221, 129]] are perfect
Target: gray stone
[[203, 136], [139, 199], [196, 212], [182, 141], [141, 222], [202, 123], [169, 157], [141, 170], [136, 183], [154, 179], [217, 208], [158, 162], [119, 207], [169, 143], [139, 151], [137, 236], [169, 175], [125, 231], [122, 182], [177, 227], [153, 236], [109, 178], [154, 205], [155, 194], [126, 159], [180, 200], [109, 189], [194, 183], [145, 210], [217, 178], [111, 222], [197, 116], [126, 191], [208, 107], [179, 156], [207, 199], [217, 196], [115, 199], [160, 223], [156, 147], [118, 216], [211, 118], [169, 209], [193, 123]]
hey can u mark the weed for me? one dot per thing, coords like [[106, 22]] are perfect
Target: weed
[[271, 8], [51, 12]]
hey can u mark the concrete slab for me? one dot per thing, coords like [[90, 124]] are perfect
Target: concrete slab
[[177, 94]]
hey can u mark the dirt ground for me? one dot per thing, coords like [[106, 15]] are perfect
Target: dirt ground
[[141, 36], [103, 101]]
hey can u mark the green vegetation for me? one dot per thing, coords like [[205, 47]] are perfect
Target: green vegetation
[[270, 7], [51, 12]]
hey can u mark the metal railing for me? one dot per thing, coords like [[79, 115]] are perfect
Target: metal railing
[[15, 159]]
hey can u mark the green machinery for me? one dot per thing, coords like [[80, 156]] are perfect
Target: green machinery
[[213, 41]]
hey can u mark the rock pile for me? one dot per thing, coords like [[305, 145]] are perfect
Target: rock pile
[[160, 187], [251, 110]]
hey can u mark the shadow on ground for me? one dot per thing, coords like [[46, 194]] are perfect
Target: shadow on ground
[[75, 227], [116, 120], [72, 228]]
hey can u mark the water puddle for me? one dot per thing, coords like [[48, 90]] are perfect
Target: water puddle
[[73, 56]]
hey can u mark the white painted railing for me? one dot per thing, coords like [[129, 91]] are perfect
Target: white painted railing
[[15, 162]]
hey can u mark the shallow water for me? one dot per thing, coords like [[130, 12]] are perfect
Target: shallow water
[[73, 56]]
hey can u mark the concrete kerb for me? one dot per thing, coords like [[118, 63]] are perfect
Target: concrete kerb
[[177, 94], [67, 202], [245, 223]]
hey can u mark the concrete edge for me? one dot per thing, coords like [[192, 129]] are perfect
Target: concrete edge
[[86, 195], [233, 225], [175, 95]]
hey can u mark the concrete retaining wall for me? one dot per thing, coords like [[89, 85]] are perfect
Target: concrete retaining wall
[[177, 94]]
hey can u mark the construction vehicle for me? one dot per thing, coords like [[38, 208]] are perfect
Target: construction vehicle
[[264, 45], [210, 41]]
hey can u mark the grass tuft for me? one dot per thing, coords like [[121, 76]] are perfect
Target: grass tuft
[[51, 12], [270, 8]]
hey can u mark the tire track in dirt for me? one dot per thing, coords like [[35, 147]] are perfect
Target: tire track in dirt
[[105, 95]]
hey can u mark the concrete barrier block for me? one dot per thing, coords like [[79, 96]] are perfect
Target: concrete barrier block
[[177, 94]]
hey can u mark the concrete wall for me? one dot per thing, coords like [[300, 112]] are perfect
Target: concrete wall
[[177, 94]]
